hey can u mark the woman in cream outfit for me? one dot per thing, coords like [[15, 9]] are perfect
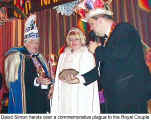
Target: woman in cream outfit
[[75, 98]]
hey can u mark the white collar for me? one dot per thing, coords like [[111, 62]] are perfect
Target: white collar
[[108, 32]]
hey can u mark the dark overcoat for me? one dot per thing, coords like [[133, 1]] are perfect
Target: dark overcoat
[[124, 75]]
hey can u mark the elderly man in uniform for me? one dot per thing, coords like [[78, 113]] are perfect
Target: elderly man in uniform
[[27, 74]]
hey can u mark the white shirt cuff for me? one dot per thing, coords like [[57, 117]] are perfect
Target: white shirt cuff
[[35, 82], [81, 78]]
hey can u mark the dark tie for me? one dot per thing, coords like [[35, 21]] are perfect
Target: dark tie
[[35, 55], [43, 66], [103, 38]]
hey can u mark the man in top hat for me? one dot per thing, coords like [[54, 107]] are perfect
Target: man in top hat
[[27, 74], [120, 63]]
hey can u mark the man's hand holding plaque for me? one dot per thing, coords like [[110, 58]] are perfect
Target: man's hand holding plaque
[[69, 76], [43, 80]]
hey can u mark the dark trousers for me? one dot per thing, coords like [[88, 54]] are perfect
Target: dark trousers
[[125, 107], [102, 107]]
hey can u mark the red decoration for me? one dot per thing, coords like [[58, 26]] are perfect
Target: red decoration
[[62, 49], [81, 12], [98, 4], [148, 59], [52, 63], [144, 4]]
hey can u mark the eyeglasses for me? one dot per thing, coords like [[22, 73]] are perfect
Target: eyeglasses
[[74, 39]]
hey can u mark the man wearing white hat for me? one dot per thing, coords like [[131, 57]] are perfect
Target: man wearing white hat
[[27, 74], [125, 77]]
